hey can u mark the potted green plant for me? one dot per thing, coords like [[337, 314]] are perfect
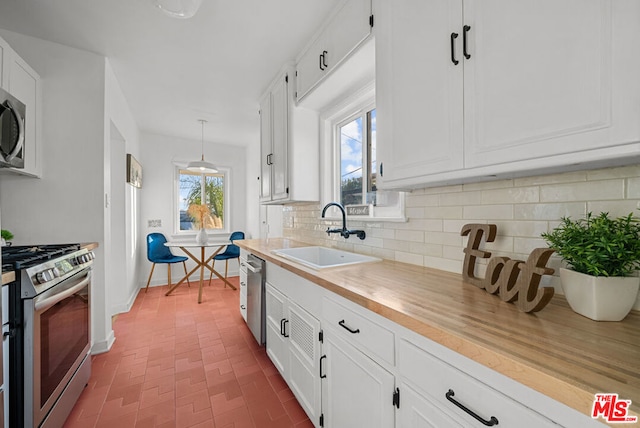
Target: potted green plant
[[6, 237], [602, 253]]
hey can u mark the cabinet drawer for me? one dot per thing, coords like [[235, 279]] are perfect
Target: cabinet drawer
[[359, 330], [434, 378]]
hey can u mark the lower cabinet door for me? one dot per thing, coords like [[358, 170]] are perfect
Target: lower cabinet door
[[276, 342], [418, 412], [356, 392], [304, 360]]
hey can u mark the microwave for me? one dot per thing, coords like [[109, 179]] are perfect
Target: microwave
[[12, 131]]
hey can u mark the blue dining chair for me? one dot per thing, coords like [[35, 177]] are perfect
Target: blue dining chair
[[231, 252], [157, 252]]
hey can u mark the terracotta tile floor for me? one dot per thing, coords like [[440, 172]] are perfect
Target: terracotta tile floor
[[177, 363]]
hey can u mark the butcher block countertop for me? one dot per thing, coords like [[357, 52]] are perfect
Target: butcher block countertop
[[554, 351], [8, 277]]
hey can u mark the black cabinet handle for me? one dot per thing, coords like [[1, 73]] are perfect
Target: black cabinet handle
[[465, 31], [322, 375], [269, 162], [243, 307], [324, 59], [282, 321], [454, 36], [491, 422], [343, 325]]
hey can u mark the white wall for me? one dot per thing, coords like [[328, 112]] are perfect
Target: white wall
[[122, 215], [157, 156], [65, 205]]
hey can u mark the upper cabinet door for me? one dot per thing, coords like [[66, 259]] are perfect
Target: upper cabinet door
[[418, 87], [539, 78], [280, 133], [343, 33], [265, 148]]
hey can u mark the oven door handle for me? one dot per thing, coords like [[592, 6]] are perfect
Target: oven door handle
[[48, 302]]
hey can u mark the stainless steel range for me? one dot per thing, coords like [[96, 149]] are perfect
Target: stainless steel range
[[49, 330]]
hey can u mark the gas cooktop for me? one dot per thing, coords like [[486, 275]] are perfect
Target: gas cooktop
[[25, 256]]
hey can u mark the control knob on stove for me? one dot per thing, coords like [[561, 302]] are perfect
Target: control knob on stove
[[47, 275]]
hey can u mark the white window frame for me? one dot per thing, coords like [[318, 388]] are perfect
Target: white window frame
[[226, 172], [340, 113]]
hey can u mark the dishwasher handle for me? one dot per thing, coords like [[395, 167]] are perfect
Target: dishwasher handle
[[254, 269]]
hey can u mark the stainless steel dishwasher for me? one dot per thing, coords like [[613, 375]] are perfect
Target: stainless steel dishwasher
[[255, 297]]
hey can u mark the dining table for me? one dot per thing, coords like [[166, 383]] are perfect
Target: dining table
[[202, 262]]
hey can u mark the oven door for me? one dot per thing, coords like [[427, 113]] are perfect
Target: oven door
[[12, 131], [60, 343]]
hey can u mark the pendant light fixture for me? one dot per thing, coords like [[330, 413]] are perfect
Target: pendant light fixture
[[181, 9], [201, 165]]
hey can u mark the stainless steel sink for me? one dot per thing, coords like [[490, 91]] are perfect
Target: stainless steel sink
[[322, 257]]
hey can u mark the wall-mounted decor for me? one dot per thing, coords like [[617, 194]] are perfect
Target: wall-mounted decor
[[514, 281], [134, 171]]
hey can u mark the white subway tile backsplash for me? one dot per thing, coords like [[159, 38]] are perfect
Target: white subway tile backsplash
[[588, 191], [522, 209], [549, 211], [460, 199], [410, 235], [489, 212], [516, 195]]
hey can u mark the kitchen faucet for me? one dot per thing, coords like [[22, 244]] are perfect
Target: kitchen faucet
[[343, 232]]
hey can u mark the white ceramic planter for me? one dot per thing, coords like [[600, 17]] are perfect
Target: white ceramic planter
[[599, 298]]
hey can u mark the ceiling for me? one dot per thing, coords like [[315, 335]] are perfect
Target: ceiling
[[173, 72]]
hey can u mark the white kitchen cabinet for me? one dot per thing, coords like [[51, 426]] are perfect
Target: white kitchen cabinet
[[288, 140], [357, 392], [418, 90], [243, 285], [22, 81], [418, 412], [347, 28], [4, 65], [293, 344], [432, 383], [471, 89]]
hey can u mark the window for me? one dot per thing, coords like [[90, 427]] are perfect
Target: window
[[358, 159], [349, 163], [191, 186]]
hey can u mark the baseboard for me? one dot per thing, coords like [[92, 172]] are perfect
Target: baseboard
[[103, 346]]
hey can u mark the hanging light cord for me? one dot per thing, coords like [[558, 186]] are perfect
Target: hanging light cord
[[202, 122]]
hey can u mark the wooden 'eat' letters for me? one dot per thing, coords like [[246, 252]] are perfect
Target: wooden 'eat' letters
[[515, 281]]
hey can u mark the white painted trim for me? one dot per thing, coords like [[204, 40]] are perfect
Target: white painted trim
[[104, 345]]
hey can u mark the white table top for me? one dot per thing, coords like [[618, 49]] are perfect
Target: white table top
[[193, 244]]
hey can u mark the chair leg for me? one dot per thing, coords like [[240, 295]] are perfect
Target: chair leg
[[226, 268], [149, 280], [185, 273], [169, 274]]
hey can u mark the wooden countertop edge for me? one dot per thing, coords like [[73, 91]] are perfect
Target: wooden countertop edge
[[89, 245], [8, 277], [554, 384]]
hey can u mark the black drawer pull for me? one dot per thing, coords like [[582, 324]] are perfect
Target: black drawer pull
[[465, 31], [283, 321], [454, 36], [322, 375], [243, 307], [491, 422], [343, 325]]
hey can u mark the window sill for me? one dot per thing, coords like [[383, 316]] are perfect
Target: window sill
[[369, 219]]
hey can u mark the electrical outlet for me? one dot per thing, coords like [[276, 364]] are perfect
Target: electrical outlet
[[154, 223]]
